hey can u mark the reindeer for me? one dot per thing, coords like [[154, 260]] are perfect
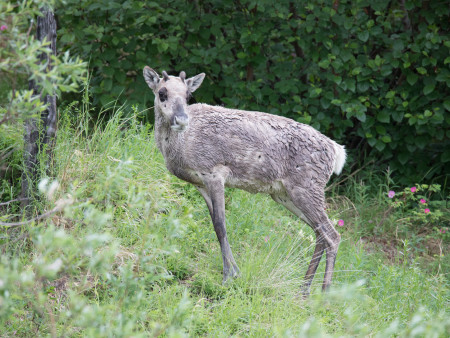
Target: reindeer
[[213, 147]]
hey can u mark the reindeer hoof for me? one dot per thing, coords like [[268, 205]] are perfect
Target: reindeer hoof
[[232, 273]]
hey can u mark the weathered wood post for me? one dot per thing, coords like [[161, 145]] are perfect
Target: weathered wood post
[[40, 131]]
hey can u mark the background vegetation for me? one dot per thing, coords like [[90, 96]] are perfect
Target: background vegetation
[[119, 247], [371, 74]]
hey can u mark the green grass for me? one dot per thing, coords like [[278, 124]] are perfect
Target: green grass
[[134, 253]]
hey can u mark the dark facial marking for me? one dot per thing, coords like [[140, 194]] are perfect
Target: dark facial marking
[[162, 94]]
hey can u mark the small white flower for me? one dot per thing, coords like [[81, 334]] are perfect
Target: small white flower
[[43, 185]]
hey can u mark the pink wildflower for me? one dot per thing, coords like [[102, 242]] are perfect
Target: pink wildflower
[[341, 222], [391, 194], [442, 231], [266, 239], [3, 27], [422, 201], [427, 210], [413, 189]]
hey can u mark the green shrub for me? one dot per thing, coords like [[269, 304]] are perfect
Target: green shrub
[[21, 62], [20, 55], [419, 212], [90, 268], [372, 74]]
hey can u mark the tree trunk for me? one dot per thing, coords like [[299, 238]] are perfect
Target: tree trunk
[[40, 131]]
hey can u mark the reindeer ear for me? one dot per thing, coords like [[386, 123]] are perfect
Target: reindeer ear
[[151, 77], [194, 82]]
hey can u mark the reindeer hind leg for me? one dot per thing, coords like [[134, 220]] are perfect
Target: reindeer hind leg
[[310, 206]]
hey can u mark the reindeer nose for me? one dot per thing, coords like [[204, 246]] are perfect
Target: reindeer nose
[[180, 119], [180, 122]]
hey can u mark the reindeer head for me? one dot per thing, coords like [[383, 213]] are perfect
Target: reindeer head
[[171, 95]]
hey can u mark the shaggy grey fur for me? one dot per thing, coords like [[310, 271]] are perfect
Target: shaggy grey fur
[[213, 147]]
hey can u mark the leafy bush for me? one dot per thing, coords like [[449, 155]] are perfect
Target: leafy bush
[[369, 73], [20, 54], [89, 267], [20, 62], [419, 212]]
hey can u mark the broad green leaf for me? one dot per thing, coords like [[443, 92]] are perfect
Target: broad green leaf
[[363, 36], [386, 139], [445, 157], [428, 89], [412, 78], [380, 130], [447, 104], [403, 157], [380, 145], [421, 70], [390, 94]]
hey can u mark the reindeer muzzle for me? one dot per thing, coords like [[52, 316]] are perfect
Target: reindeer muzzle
[[180, 119]]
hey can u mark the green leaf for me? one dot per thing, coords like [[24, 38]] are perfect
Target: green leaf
[[390, 94], [363, 86], [107, 84], [420, 141], [380, 145], [412, 121], [325, 63], [386, 139], [360, 115], [403, 157], [428, 89], [445, 157], [337, 80], [398, 45], [363, 36], [350, 83], [447, 104], [380, 130], [412, 78], [397, 116], [348, 23], [372, 141], [325, 103], [421, 70]]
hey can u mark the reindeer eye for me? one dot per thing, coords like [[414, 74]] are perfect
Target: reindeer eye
[[163, 94]]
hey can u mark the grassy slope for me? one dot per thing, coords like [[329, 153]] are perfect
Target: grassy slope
[[163, 275]]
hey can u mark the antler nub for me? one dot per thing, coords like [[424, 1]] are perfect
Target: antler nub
[[165, 76], [183, 76]]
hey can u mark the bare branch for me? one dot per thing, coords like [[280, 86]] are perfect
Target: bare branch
[[15, 200], [59, 206]]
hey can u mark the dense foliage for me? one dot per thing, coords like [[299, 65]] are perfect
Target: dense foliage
[[20, 54], [372, 74]]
